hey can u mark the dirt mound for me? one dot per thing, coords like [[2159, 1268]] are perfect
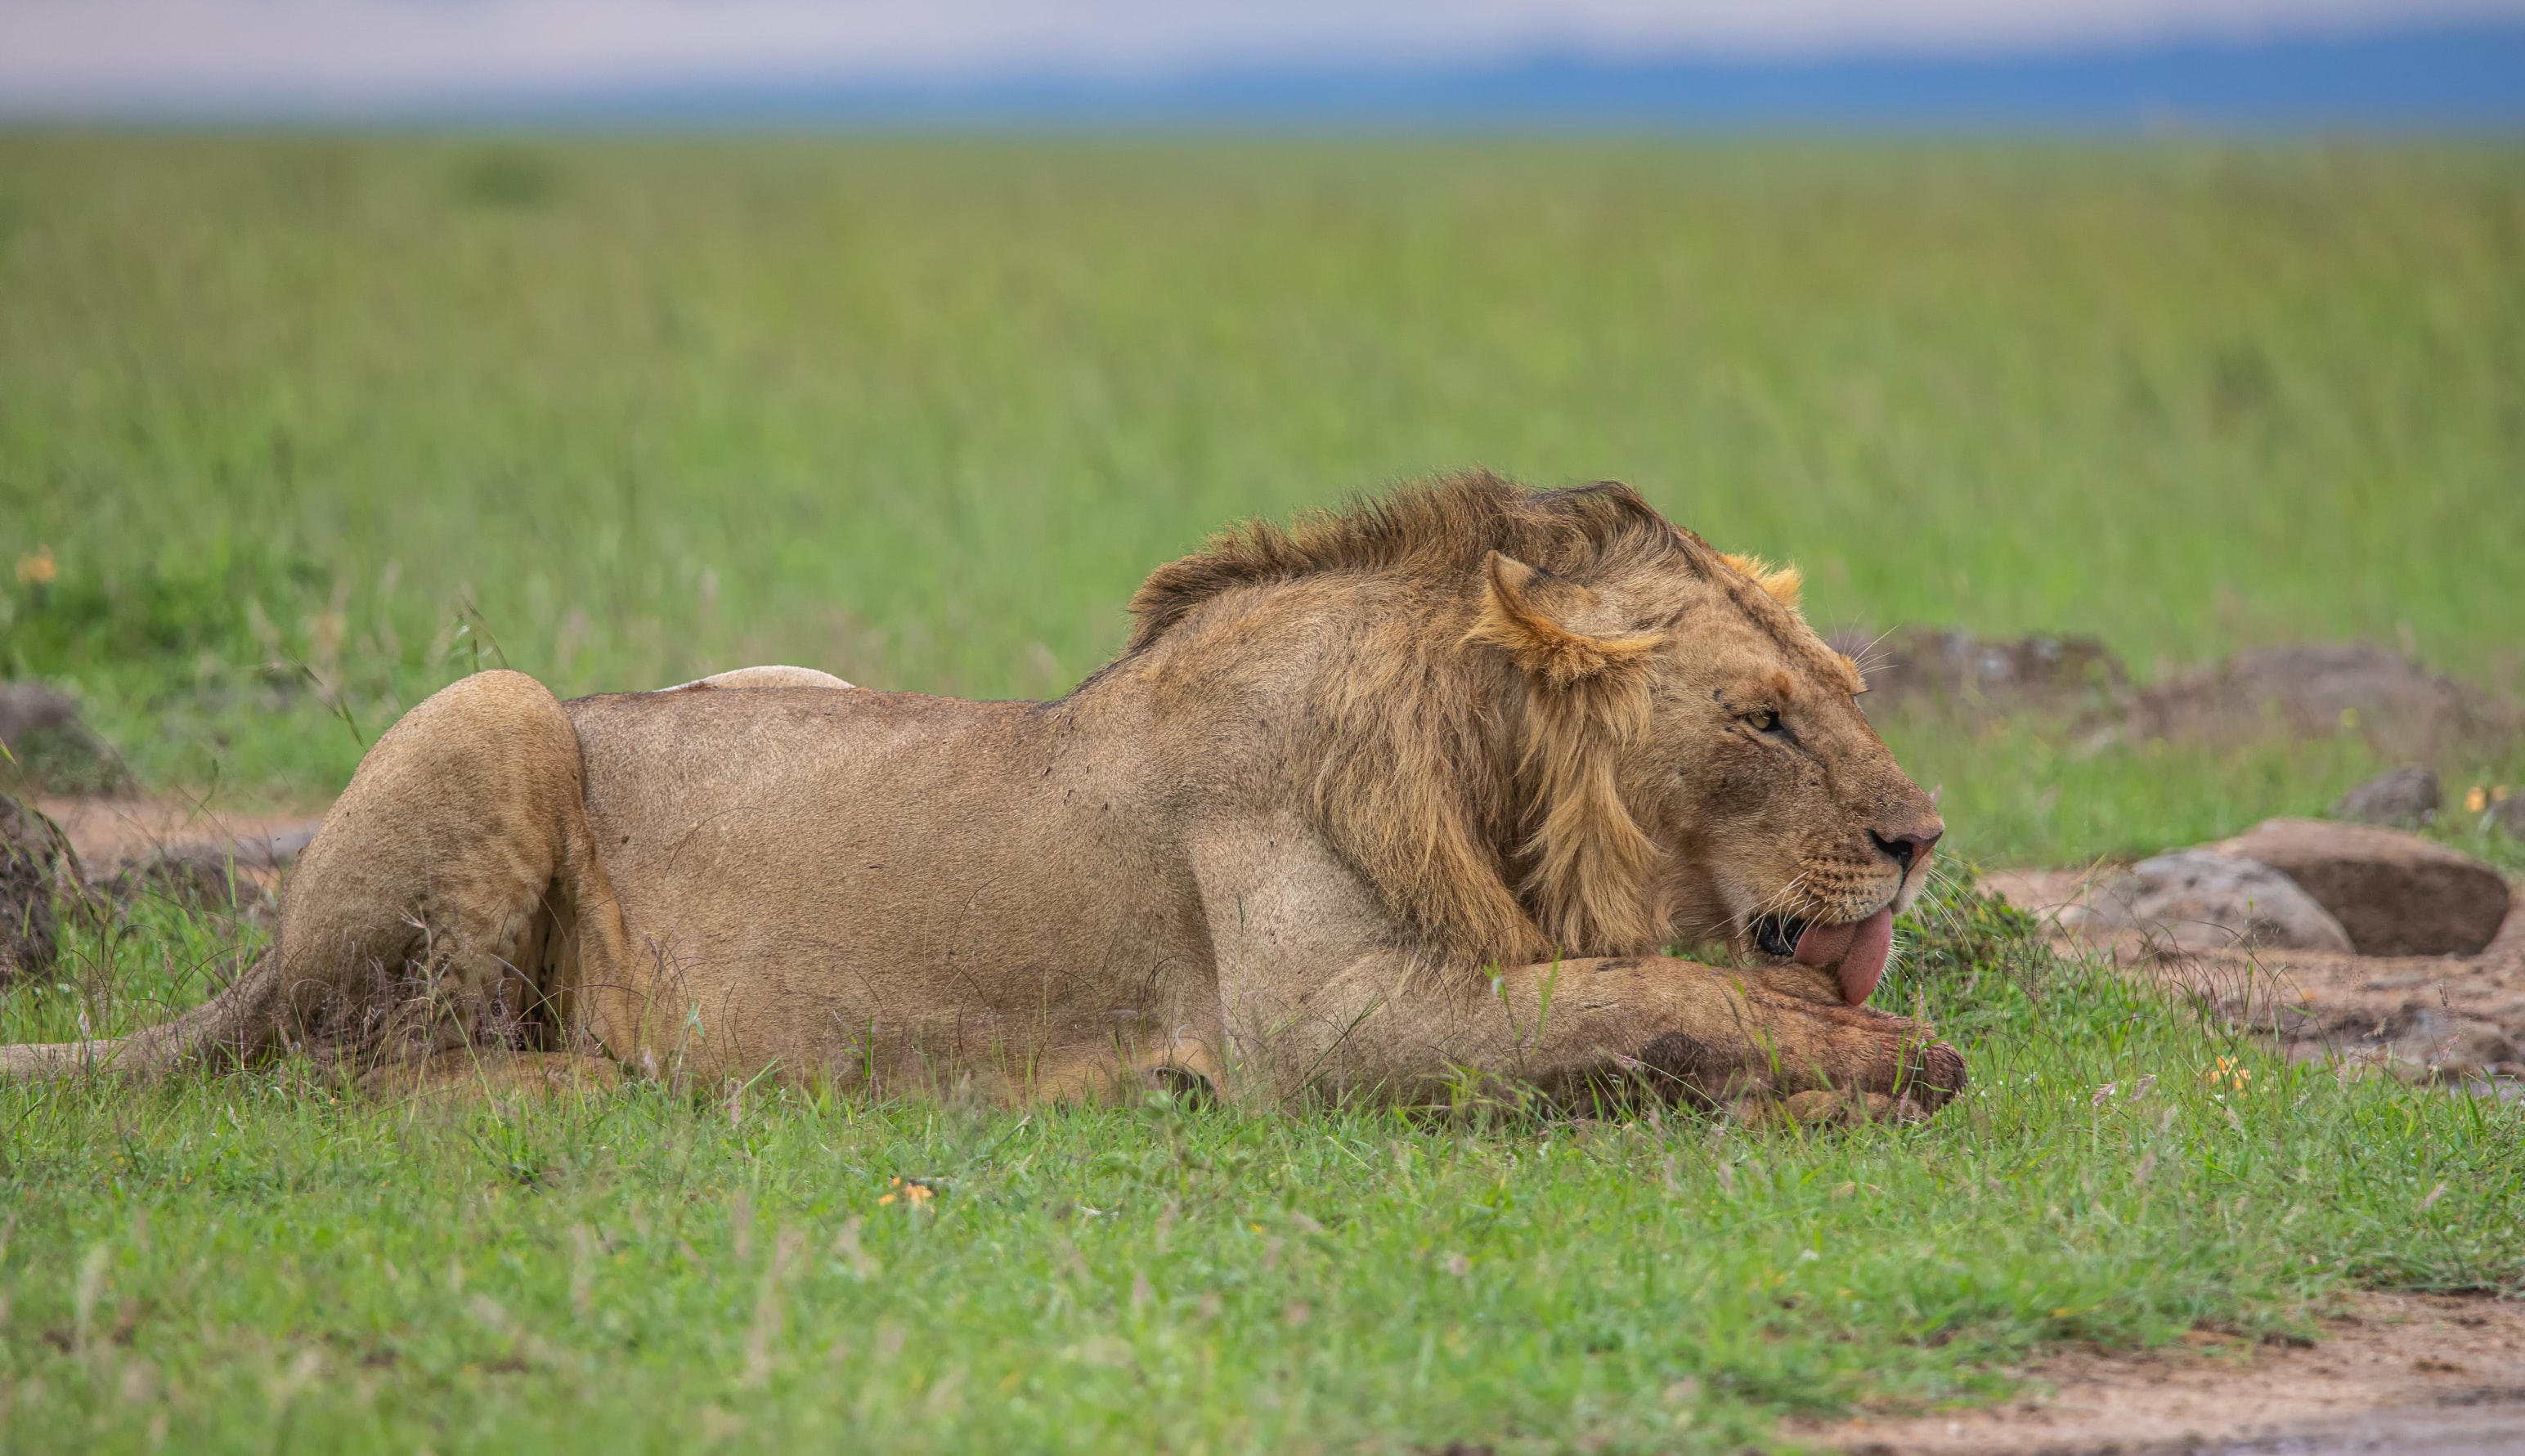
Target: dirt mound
[[1953, 673], [50, 746], [2392, 1373], [30, 852], [2318, 689], [2395, 893], [2304, 690], [2407, 798], [2434, 1018]]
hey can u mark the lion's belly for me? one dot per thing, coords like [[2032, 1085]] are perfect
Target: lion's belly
[[845, 880]]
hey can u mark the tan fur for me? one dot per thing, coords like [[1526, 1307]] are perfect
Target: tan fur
[[1407, 790]]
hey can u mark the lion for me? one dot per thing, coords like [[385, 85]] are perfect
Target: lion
[[1398, 796]]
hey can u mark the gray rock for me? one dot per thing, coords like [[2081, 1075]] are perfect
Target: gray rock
[[2404, 799], [50, 745], [2209, 901], [2509, 815], [2395, 893], [32, 847]]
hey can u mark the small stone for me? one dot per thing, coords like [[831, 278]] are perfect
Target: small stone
[[2509, 815], [2395, 893], [2209, 901], [30, 846], [2404, 799]]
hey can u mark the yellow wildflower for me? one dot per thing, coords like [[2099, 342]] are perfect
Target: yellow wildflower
[[2229, 1074]]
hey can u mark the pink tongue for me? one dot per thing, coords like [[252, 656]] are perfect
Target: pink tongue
[[1856, 951]]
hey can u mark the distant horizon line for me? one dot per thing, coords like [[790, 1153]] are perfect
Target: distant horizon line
[[2462, 76]]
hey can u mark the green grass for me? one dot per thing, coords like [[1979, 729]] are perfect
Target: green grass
[[923, 412], [263, 1261]]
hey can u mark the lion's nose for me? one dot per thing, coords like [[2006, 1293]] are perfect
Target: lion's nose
[[1908, 848]]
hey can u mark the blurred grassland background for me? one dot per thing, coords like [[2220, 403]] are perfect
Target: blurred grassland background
[[289, 411], [307, 425]]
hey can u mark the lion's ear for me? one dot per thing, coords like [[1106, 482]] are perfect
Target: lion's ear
[[1553, 627], [1784, 583]]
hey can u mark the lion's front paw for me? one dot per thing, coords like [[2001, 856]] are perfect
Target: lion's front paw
[[1933, 1074], [1905, 1079], [1830, 1108]]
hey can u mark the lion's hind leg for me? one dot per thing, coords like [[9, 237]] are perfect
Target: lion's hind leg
[[428, 913]]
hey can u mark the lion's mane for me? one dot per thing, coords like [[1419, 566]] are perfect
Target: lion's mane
[[1483, 805]]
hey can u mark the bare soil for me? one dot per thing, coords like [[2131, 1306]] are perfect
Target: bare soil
[[2401, 1373]]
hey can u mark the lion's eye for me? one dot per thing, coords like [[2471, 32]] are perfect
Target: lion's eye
[[1765, 722]]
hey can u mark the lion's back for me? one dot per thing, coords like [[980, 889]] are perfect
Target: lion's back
[[810, 858]]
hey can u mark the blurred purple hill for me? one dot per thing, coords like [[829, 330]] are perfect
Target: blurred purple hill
[[2446, 79], [2451, 79], [592, 64]]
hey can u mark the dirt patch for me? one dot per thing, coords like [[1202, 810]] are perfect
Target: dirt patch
[[111, 834], [2394, 1373]]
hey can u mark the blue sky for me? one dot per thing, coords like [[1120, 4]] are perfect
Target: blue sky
[[349, 56]]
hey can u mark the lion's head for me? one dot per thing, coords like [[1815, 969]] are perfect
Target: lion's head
[[1553, 722]]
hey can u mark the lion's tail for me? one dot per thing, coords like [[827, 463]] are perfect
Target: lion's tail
[[239, 1024]]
